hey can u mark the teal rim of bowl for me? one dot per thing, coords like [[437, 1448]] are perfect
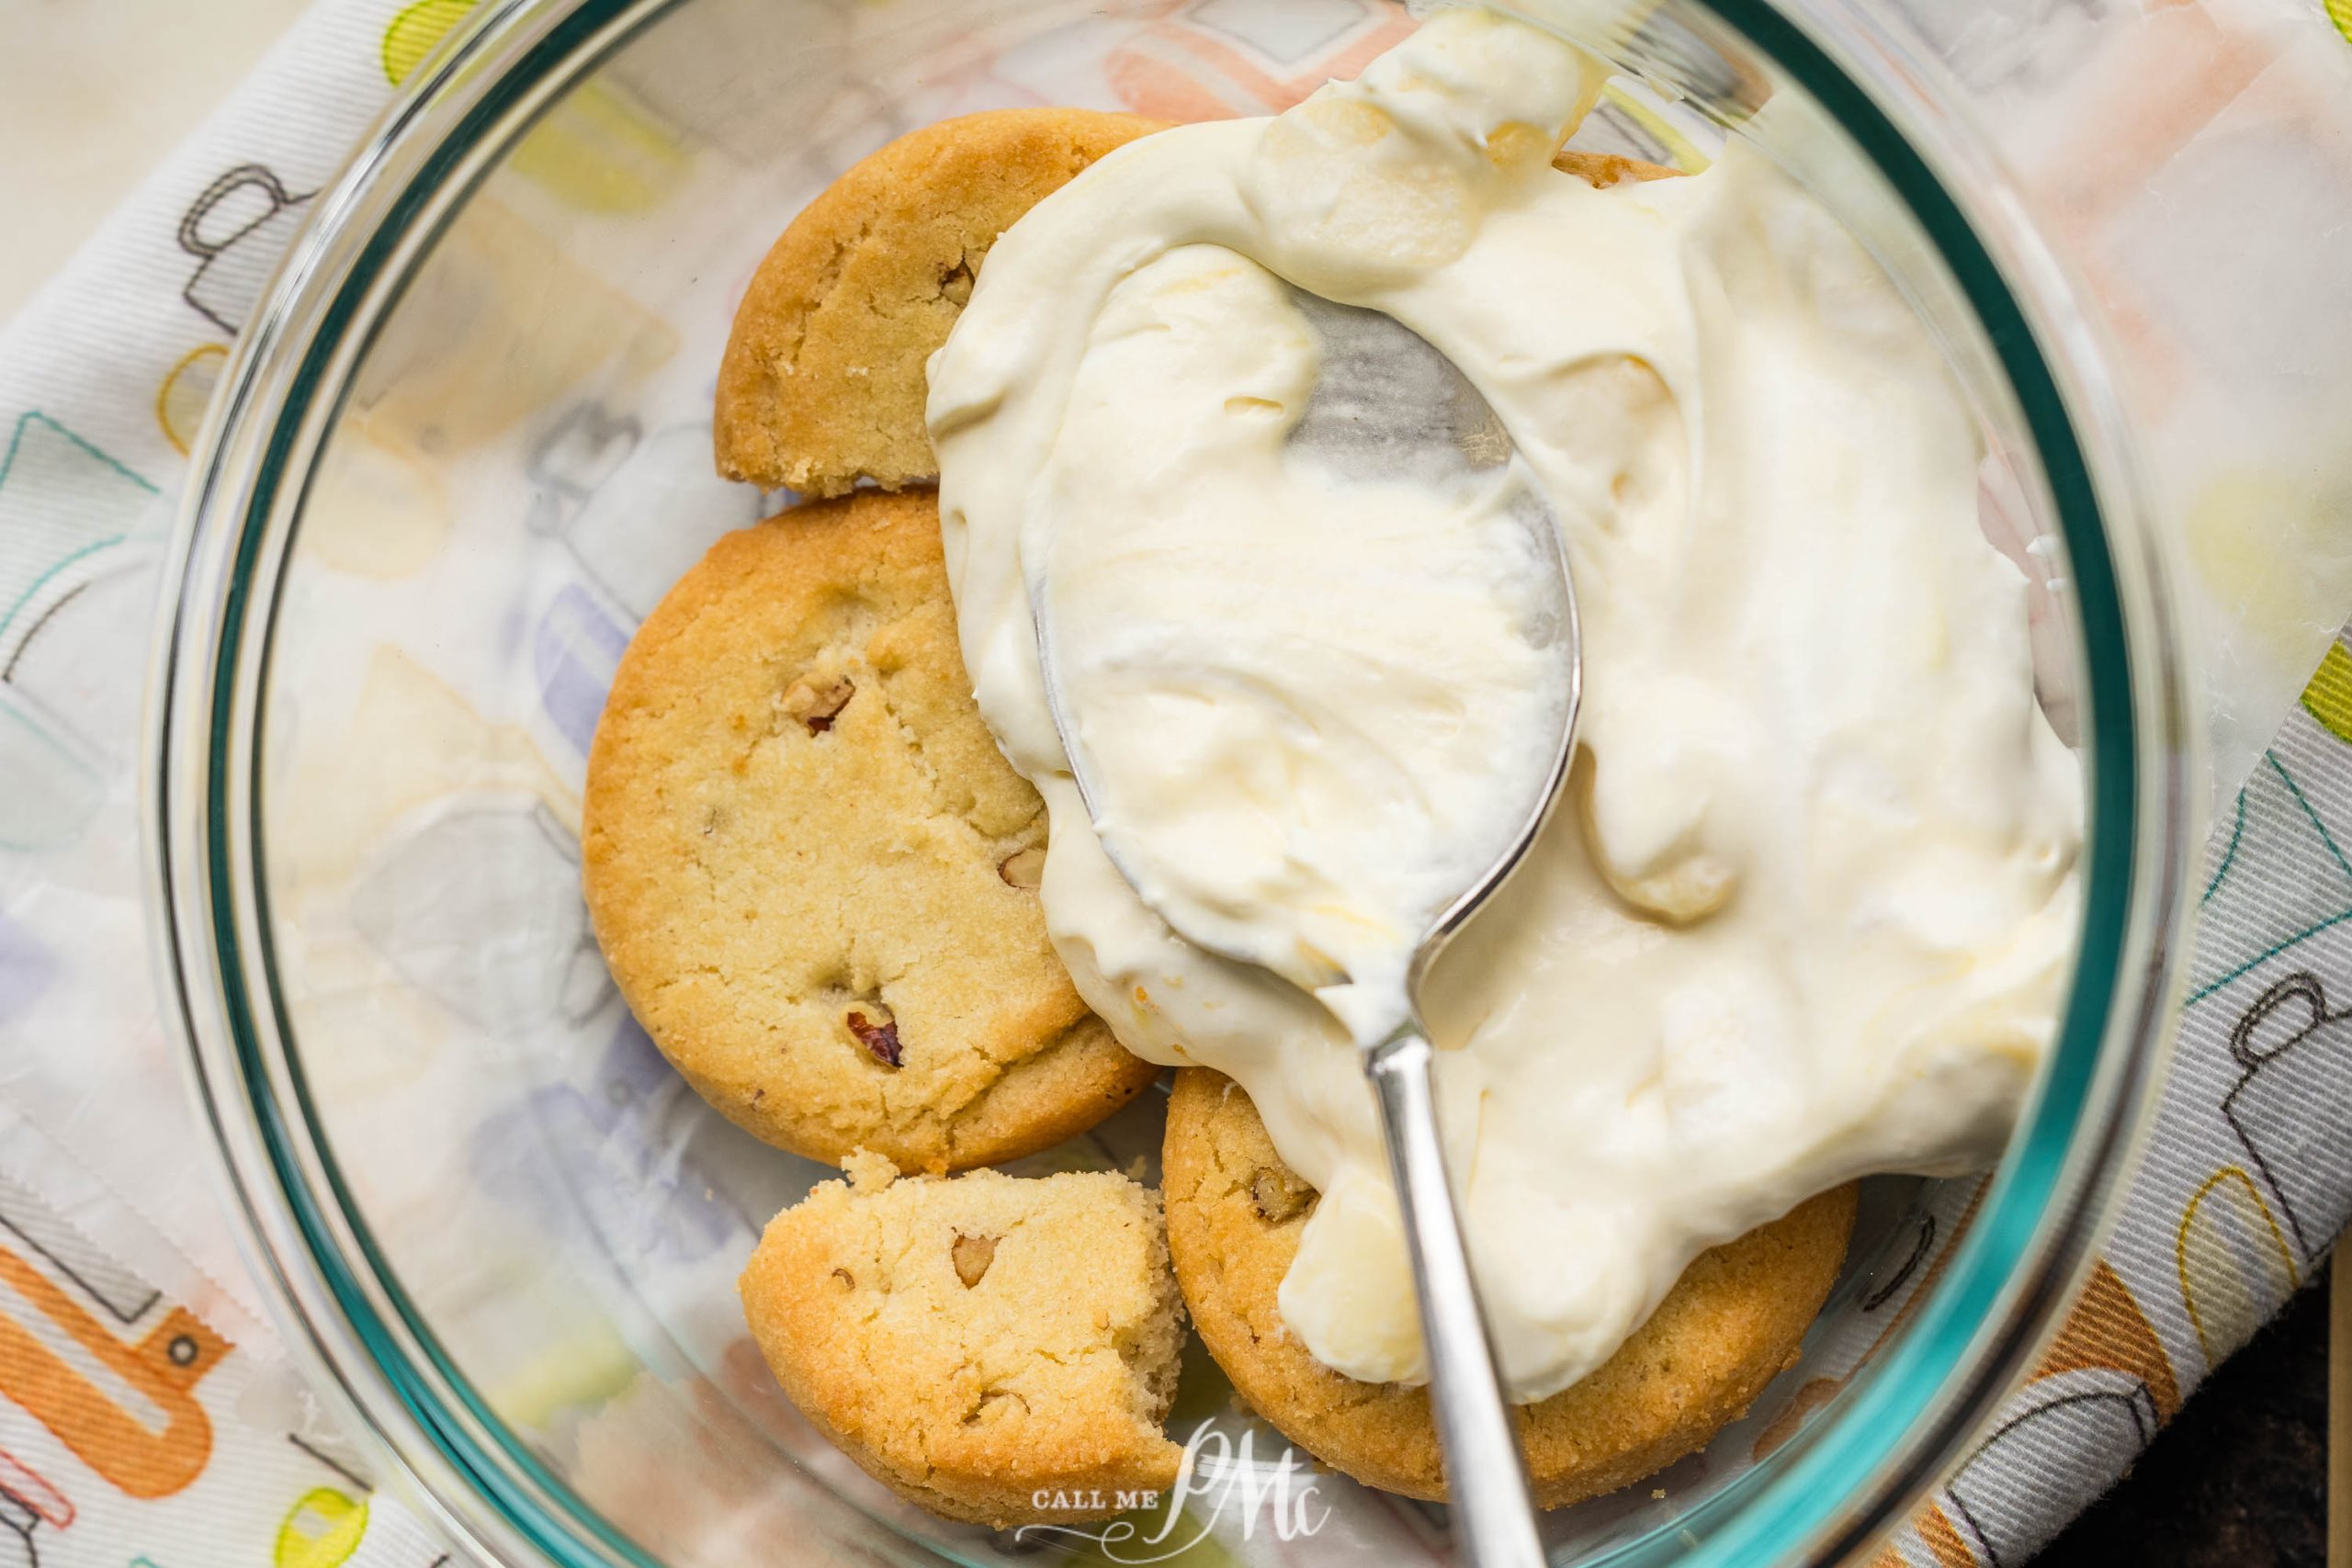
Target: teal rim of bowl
[[1773, 1509]]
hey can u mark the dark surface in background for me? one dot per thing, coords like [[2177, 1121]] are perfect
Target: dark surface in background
[[2239, 1479]]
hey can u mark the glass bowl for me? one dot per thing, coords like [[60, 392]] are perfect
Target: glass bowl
[[466, 447]]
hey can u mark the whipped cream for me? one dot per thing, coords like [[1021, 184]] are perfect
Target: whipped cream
[[1313, 701], [1810, 912]]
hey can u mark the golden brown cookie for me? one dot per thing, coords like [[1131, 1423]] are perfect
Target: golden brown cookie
[[813, 874], [823, 378], [978, 1342], [1731, 1325]]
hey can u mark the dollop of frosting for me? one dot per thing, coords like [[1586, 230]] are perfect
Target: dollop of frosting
[[1312, 680], [1809, 912]]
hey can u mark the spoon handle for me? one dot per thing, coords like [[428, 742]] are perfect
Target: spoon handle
[[1494, 1519]]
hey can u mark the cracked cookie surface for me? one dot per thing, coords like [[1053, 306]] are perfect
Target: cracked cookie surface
[[1731, 1325], [810, 870], [976, 1341], [822, 382]]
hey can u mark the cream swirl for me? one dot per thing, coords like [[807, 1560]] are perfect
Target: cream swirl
[[1811, 913]]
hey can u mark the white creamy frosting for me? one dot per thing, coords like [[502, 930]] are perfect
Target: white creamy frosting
[[1810, 911], [1315, 702]]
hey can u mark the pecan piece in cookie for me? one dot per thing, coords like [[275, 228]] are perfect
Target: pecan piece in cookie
[[878, 1033], [761, 863]]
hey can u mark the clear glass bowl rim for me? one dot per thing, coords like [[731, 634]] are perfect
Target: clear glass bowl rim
[[333, 1295]]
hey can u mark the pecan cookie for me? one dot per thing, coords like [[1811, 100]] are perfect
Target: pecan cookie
[[995, 1350], [824, 382], [1731, 1323], [810, 870]]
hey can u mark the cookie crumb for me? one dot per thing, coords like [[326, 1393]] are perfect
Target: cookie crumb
[[868, 1171]]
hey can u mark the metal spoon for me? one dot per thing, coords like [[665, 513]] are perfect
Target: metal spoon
[[1389, 405]]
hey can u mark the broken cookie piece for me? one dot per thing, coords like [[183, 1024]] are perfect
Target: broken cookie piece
[[978, 1342]]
